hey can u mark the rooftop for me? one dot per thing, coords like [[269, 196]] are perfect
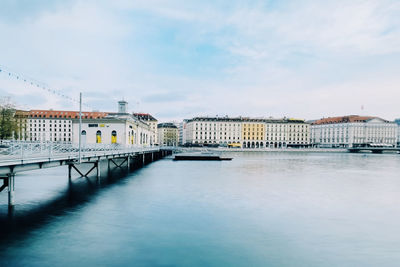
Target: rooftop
[[345, 119], [166, 125], [144, 116], [65, 114], [247, 119]]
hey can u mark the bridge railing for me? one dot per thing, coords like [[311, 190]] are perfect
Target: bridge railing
[[24, 150]]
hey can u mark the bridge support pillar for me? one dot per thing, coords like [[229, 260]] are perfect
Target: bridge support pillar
[[152, 156], [11, 184], [144, 158], [98, 169], [129, 162], [69, 171]]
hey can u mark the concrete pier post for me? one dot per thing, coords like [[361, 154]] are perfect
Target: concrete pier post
[[69, 171], [11, 180], [152, 156], [129, 162], [98, 169], [144, 158]]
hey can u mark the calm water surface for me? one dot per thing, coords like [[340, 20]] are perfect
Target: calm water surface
[[261, 209]]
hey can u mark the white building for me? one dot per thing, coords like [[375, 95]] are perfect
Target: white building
[[398, 131], [97, 127], [114, 128], [287, 133], [213, 131], [353, 130], [54, 125], [182, 132], [152, 122]]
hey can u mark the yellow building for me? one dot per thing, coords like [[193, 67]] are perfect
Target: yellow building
[[253, 133]]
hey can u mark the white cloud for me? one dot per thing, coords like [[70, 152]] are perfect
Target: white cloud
[[296, 60]]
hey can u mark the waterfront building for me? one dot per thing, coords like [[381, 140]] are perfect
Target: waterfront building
[[182, 132], [150, 120], [114, 128], [168, 134], [253, 133], [397, 121], [213, 131], [281, 133], [97, 127], [55, 125], [353, 130], [247, 132]]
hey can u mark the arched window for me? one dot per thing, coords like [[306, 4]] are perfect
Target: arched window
[[114, 137], [98, 137]]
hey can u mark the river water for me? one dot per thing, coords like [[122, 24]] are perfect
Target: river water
[[260, 209]]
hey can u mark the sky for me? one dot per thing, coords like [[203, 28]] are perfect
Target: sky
[[179, 59]]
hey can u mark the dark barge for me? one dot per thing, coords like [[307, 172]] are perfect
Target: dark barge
[[204, 156]]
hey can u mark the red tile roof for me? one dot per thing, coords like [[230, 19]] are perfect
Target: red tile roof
[[343, 119], [65, 114]]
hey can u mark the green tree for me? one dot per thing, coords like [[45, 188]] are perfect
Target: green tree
[[8, 125]]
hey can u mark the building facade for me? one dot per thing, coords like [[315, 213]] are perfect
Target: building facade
[[152, 122], [213, 131], [287, 133], [397, 121], [182, 132], [120, 128], [55, 125], [352, 131], [247, 132], [168, 134], [113, 129], [97, 127]]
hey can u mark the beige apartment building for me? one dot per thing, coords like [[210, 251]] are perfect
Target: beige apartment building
[[247, 132]]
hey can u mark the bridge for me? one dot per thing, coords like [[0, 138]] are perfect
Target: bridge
[[377, 150], [19, 156]]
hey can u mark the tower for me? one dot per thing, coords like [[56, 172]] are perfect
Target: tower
[[122, 106]]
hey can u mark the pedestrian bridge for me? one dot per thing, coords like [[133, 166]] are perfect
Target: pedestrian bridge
[[17, 157]]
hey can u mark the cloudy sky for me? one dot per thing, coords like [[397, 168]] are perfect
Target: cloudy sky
[[179, 59]]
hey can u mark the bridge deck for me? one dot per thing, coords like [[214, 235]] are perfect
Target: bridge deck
[[16, 164]]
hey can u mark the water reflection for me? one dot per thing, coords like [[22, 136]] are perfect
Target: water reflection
[[261, 209], [19, 220]]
